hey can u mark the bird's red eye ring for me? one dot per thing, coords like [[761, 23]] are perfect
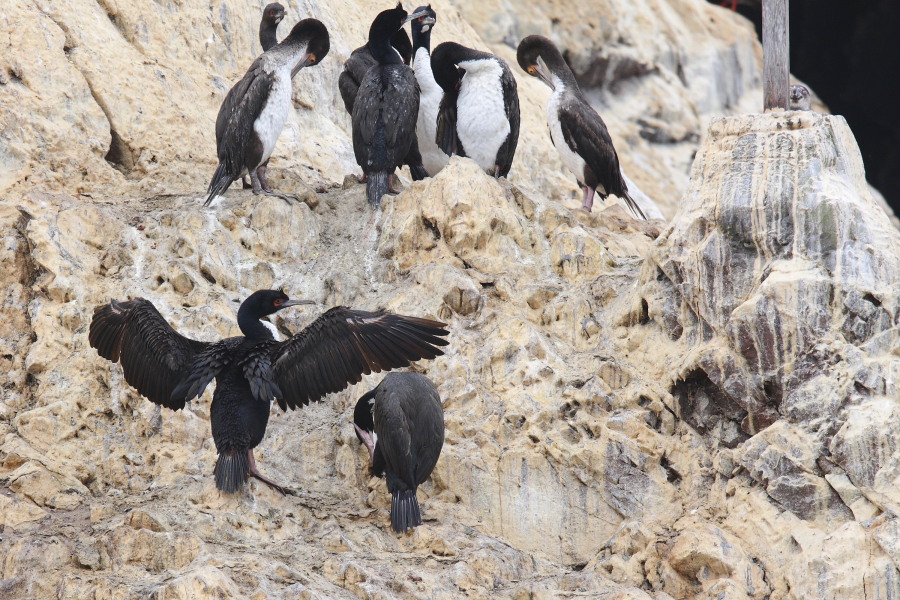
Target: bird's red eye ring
[[277, 301]]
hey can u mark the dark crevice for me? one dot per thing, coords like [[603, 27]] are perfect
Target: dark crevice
[[435, 232]]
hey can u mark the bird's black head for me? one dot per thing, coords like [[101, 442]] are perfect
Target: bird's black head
[[443, 65], [260, 304], [424, 22], [314, 34], [273, 13], [362, 414], [539, 57]]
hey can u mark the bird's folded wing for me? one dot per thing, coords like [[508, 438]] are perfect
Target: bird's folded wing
[[154, 357], [242, 106], [343, 344]]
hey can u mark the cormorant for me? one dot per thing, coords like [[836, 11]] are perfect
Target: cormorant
[[479, 113], [385, 109], [255, 109], [433, 158], [401, 422], [250, 370], [268, 26], [355, 69], [577, 131]]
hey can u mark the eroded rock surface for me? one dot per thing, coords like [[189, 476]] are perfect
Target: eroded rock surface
[[634, 410]]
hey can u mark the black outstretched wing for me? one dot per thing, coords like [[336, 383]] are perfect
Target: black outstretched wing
[[446, 137], [511, 106], [155, 358], [585, 132], [336, 349]]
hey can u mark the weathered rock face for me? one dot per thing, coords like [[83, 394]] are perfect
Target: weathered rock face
[[633, 410]]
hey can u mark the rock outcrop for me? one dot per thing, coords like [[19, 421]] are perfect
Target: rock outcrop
[[634, 410]]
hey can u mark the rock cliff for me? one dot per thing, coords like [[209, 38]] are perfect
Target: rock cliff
[[635, 410]]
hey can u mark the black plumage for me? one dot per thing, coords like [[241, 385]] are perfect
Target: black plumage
[[577, 131], [255, 109], [479, 115], [385, 109], [355, 69], [268, 26], [406, 416], [250, 370]]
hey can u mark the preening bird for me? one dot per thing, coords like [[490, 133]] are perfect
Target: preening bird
[[478, 116], [334, 351], [401, 422], [433, 158], [268, 26], [255, 109], [577, 131], [385, 109]]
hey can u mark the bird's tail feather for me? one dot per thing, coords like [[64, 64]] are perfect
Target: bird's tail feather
[[418, 172], [377, 186], [405, 513], [221, 180], [633, 205], [232, 471]]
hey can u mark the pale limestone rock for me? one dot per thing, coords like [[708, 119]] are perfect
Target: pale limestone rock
[[710, 415]]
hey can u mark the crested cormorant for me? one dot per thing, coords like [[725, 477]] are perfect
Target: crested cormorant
[[355, 69], [433, 158], [385, 109], [577, 131], [401, 422], [254, 110], [479, 113], [250, 370]]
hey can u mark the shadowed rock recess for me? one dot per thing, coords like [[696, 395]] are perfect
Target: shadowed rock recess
[[634, 410]]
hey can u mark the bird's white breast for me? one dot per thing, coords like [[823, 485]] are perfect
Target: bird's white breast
[[481, 121], [270, 122], [570, 159], [433, 158]]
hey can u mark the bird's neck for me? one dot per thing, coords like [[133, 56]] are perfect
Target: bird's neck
[[267, 37], [421, 39], [251, 326], [383, 52]]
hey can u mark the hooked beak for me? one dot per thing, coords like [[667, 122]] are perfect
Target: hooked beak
[[307, 58], [415, 15], [296, 303], [544, 72]]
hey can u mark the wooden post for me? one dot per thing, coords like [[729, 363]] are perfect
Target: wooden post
[[776, 59]]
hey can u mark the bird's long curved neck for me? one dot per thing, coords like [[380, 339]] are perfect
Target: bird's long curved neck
[[251, 326], [381, 49], [267, 37], [421, 39], [561, 71]]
